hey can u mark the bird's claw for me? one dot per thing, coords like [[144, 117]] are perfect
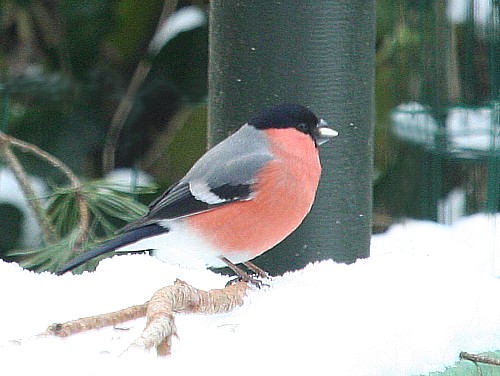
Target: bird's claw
[[247, 279]]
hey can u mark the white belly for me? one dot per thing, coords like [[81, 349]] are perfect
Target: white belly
[[184, 248]]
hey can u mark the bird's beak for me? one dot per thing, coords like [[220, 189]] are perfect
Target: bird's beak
[[324, 133]]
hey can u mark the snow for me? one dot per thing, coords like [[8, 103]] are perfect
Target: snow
[[459, 11], [184, 19], [426, 293], [473, 129], [129, 177], [11, 193]]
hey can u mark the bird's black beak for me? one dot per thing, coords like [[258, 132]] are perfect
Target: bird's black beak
[[323, 132]]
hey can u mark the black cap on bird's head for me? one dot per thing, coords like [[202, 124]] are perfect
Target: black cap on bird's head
[[294, 116]]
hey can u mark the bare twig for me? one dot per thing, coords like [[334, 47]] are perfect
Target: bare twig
[[480, 358], [120, 115], [123, 109], [184, 298], [6, 142], [160, 328], [22, 178], [96, 322]]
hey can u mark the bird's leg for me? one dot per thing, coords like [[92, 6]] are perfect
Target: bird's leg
[[254, 268], [241, 274]]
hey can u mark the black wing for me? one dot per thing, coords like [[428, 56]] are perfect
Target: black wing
[[181, 200], [225, 174]]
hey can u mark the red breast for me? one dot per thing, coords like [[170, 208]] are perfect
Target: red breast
[[284, 194]]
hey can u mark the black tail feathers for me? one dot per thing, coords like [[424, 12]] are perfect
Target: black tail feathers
[[121, 240]]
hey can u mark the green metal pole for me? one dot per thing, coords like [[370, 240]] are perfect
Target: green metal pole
[[319, 54]]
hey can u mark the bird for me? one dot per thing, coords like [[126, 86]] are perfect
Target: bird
[[240, 199]]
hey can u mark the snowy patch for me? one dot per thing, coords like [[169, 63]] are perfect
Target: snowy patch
[[184, 19], [426, 293], [11, 193], [471, 129]]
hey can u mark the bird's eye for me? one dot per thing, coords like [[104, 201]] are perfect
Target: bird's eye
[[303, 127]]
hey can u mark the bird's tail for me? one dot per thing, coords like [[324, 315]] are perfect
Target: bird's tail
[[121, 240]]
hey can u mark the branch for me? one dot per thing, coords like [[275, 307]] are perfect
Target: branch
[[22, 178], [96, 322], [121, 114], [160, 327], [6, 142], [183, 298], [480, 358], [125, 105]]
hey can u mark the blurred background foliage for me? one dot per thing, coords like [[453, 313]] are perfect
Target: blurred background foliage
[[67, 66], [437, 146]]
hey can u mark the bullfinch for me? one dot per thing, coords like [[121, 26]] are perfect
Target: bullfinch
[[241, 198]]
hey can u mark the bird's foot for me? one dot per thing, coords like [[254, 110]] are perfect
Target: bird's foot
[[247, 279], [243, 276]]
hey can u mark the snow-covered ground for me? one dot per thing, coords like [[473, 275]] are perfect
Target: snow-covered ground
[[426, 293]]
